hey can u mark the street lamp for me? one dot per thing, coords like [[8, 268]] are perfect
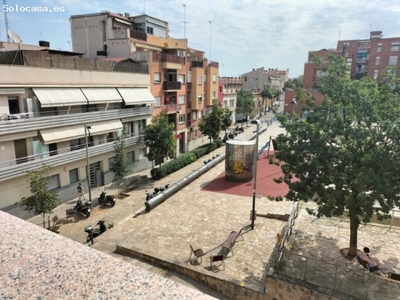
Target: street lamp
[[294, 102], [253, 211], [87, 128]]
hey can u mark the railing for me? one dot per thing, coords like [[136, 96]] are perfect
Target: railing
[[138, 35], [345, 278], [188, 86], [213, 64], [166, 57], [197, 64], [172, 107], [172, 85]]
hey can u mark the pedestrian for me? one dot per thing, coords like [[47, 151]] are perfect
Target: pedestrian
[[80, 191]]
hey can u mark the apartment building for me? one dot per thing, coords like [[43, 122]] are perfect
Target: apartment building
[[52, 102], [256, 79], [182, 81], [230, 87]]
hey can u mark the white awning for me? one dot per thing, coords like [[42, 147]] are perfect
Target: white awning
[[137, 96], [12, 91], [101, 95], [62, 134], [50, 97]]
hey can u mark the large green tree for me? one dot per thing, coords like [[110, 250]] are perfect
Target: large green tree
[[211, 123], [345, 155], [226, 119], [244, 103], [42, 201], [294, 83], [266, 93], [159, 138], [120, 164]]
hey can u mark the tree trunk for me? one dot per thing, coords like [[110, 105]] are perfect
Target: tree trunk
[[354, 223], [44, 221]]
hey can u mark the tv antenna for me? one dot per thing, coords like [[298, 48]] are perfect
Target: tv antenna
[[6, 20], [17, 40], [144, 6], [184, 20]]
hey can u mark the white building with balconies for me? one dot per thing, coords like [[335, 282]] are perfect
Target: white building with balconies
[[46, 102]]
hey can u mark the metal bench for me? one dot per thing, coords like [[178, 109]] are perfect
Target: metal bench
[[215, 259], [197, 255], [230, 241]]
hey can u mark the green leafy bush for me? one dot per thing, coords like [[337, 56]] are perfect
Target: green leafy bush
[[184, 160]]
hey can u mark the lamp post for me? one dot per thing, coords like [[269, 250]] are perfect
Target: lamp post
[[253, 211], [87, 128], [294, 102]]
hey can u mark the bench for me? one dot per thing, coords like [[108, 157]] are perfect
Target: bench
[[215, 259], [130, 184], [230, 241], [197, 254], [56, 221], [394, 276], [69, 213]]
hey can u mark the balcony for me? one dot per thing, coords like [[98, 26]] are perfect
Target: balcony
[[361, 60], [21, 125], [197, 64], [10, 169], [188, 86], [172, 107], [138, 35], [172, 85], [170, 61]]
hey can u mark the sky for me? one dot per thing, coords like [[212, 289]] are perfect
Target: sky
[[239, 34]]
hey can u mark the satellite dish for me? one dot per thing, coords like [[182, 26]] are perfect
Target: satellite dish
[[14, 37]]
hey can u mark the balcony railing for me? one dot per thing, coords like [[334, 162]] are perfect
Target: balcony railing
[[138, 35], [172, 107], [10, 169], [197, 64], [166, 57], [18, 125], [171, 85]]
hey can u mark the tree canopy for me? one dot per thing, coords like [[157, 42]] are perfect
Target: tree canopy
[[294, 83], [42, 201], [120, 164], [159, 138], [345, 155], [226, 118], [211, 123], [244, 103]]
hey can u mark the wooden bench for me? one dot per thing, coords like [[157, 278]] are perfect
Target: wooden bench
[[131, 183], [197, 255], [69, 213], [215, 259], [56, 221], [394, 276], [230, 241]]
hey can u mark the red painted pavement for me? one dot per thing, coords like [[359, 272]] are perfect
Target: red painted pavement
[[265, 185]]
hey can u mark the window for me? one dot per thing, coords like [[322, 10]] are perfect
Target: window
[[53, 182], [225, 103], [157, 103], [394, 47], [245, 78], [141, 125], [376, 73], [379, 48], [214, 78], [110, 162], [181, 99], [181, 118], [142, 153], [220, 89], [392, 60], [130, 156], [232, 103], [377, 60], [181, 78], [150, 30], [194, 115], [200, 80], [189, 76], [73, 176], [214, 94], [199, 98], [157, 77]]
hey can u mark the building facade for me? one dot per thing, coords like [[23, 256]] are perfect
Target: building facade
[[230, 87], [182, 81], [53, 106]]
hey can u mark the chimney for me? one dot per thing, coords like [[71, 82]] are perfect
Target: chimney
[[127, 15]]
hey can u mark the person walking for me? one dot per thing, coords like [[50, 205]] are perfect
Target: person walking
[[81, 193]]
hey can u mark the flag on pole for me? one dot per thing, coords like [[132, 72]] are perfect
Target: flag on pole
[[263, 149]]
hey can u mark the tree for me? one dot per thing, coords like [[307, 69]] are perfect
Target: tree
[[42, 201], [294, 83], [276, 93], [159, 138], [265, 94], [244, 103], [120, 165], [211, 123], [345, 155], [226, 119]]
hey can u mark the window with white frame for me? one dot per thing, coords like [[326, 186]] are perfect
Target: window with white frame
[[377, 60], [181, 78], [214, 78], [141, 125], [200, 80], [181, 119], [157, 77], [394, 47], [157, 102], [199, 98], [376, 73], [393, 60], [214, 94], [189, 76], [232, 103], [379, 48], [199, 114], [194, 115], [181, 99], [225, 103]]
